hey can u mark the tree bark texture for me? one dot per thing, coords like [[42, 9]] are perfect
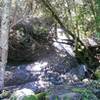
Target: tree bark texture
[[4, 40]]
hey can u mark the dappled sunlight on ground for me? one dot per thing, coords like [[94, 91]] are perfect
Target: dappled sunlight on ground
[[37, 66]]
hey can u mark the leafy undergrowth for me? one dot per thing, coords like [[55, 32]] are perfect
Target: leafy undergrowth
[[86, 93], [39, 96]]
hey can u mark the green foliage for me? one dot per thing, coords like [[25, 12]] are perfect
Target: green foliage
[[86, 94], [98, 35], [66, 98], [98, 18], [39, 96], [97, 74], [13, 98], [95, 84], [31, 97]]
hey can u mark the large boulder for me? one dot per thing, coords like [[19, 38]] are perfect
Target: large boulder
[[26, 36]]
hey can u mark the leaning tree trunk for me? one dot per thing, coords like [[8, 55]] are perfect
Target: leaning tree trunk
[[54, 14], [4, 40]]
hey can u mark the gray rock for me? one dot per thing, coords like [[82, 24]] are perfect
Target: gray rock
[[21, 94], [67, 96], [97, 92], [72, 96], [36, 87], [80, 71], [54, 77], [65, 64], [19, 76], [79, 85], [32, 86]]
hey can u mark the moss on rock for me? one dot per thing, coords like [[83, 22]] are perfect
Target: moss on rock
[[86, 93], [97, 73], [27, 94]]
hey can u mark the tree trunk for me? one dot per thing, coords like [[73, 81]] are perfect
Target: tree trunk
[[4, 40]]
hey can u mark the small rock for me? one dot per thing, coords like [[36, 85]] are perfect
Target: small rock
[[79, 85], [87, 81], [21, 94], [55, 78], [97, 92], [31, 86], [82, 70]]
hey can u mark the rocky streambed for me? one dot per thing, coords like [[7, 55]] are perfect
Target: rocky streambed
[[51, 76], [54, 74]]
